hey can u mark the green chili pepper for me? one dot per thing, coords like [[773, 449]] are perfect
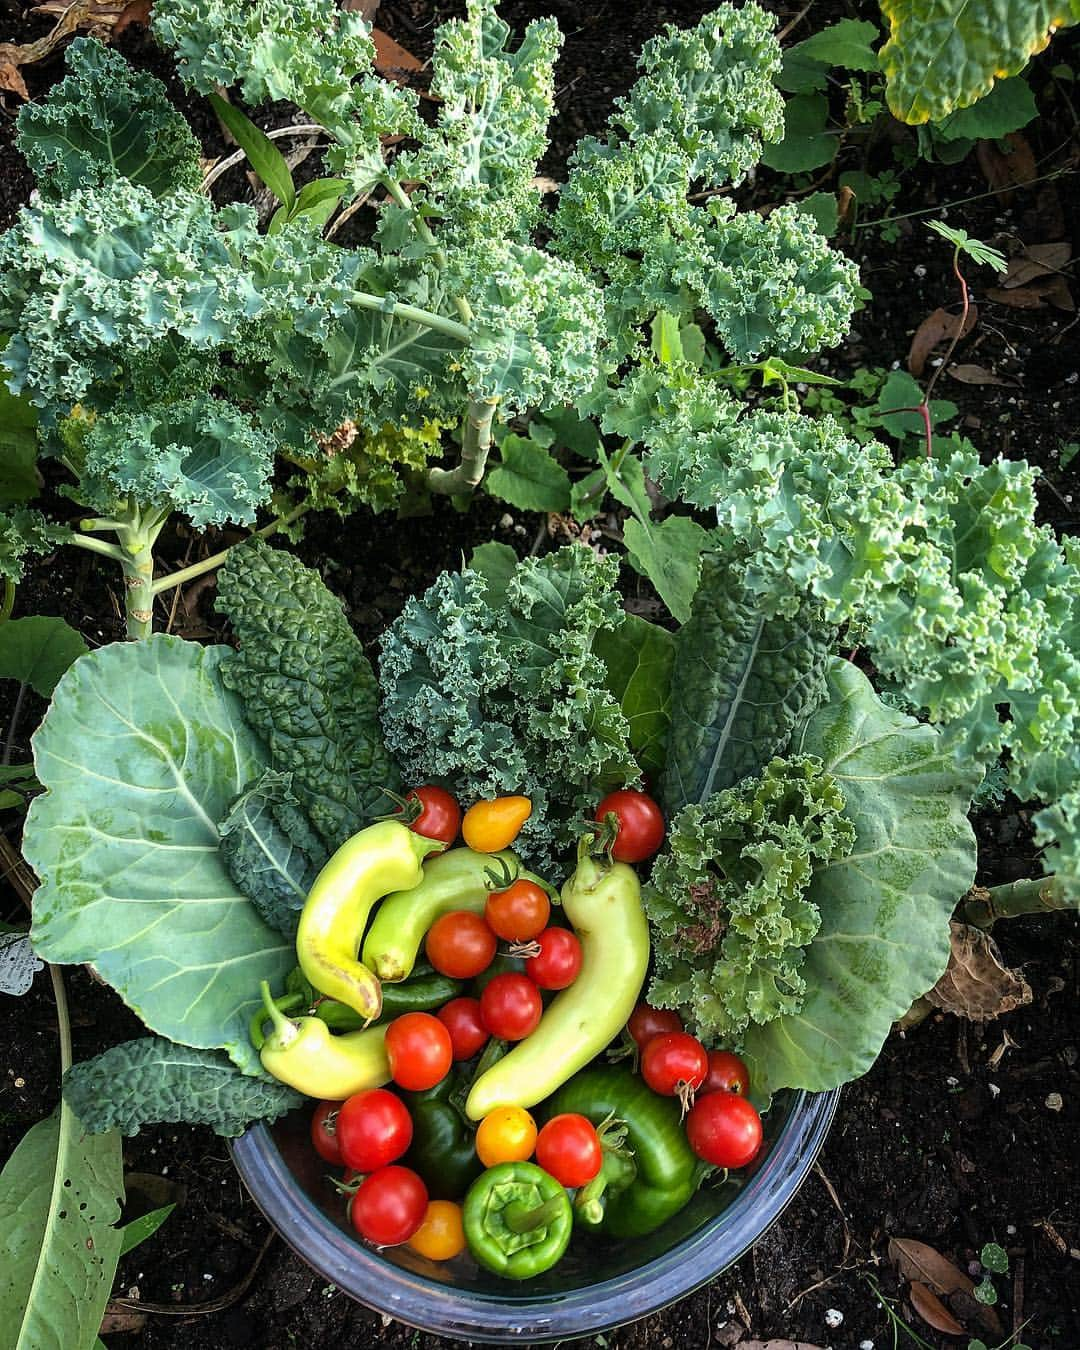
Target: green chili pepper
[[665, 1172], [443, 1149], [420, 993], [518, 1220]]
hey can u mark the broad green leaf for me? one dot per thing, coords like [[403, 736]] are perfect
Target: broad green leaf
[[1009, 106], [805, 145], [946, 54], [496, 563], [565, 427], [902, 390], [263, 155], [528, 477], [741, 682], [824, 208], [666, 341], [60, 1197], [141, 753], [847, 43], [885, 908], [18, 447], [639, 656], [668, 552], [317, 201], [151, 1080], [37, 650], [801, 74], [138, 1230]]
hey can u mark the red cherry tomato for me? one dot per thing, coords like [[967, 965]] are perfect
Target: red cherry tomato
[[468, 1035], [568, 1148], [674, 1063], [518, 913], [460, 945], [324, 1134], [439, 816], [646, 1022], [389, 1206], [558, 962], [373, 1128], [511, 1006], [419, 1049], [727, 1073], [724, 1129], [639, 824]]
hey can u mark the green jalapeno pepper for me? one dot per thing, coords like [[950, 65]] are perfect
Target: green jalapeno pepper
[[443, 1149], [518, 1220], [665, 1172]]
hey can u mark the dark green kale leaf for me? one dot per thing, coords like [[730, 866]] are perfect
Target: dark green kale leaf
[[306, 687], [152, 1081]]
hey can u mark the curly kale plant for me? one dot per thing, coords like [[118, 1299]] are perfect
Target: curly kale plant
[[727, 900], [502, 692]]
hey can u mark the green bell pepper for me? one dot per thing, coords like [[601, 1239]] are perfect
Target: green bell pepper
[[626, 1202], [518, 1220], [443, 1149]]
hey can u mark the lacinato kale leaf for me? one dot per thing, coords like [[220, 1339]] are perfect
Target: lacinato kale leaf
[[306, 687], [494, 694], [151, 1081]]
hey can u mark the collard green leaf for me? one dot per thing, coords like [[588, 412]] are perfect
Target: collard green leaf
[[271, 850], [527, 477], [60, 1197], [946, 54], [141, 753], [639, 657], [1009, 106], [106, 120], [152, 1081], [306, 687], [37, 650], [885, 908], [742, 681]]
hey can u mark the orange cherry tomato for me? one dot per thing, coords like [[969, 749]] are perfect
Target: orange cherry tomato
[[493, 825], [441, 1236], [507, 1134]]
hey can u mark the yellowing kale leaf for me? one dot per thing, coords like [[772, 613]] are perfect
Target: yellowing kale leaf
[[153, 1081], [479, 160], [504, 693], [105, 121], [727, 900], [306, 687]]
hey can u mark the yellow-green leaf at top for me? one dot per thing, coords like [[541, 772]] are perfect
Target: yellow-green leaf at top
[[946, 54]]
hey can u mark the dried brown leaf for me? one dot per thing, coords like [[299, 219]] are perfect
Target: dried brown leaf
[[1036, 260], [941, 326], [1003, 171], [777, 1345], [932, 1311], [977, 984], [10, 78], [1023, 297], [391, 59], [367, 9], [119, 1321], [969, 374], [924, 1264]]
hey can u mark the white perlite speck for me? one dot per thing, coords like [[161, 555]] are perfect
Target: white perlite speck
[[833, 1318]]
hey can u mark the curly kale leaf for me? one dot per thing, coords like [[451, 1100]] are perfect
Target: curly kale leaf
[[771, 285], [201, 456], [727, 901], [271, 850], [742, 680], [974, 609], [479, 160], [308, 52], [24, 532], [499, 694], [306, 687], [105, 121], [153, 1081]]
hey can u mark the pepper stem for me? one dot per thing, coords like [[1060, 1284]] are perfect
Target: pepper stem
[[284, 1027], [521, 1218]]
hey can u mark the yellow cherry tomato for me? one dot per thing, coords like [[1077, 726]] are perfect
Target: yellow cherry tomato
[[493, 825], [442, 1234], [507, 1134]]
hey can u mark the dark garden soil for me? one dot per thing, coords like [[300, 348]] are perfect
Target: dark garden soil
[[961, 1134]]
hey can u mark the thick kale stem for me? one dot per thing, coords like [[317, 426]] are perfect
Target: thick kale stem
[[475, 445], [198, 569], [401, 197], [138, 570], [1032, 895], [362, 300]]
